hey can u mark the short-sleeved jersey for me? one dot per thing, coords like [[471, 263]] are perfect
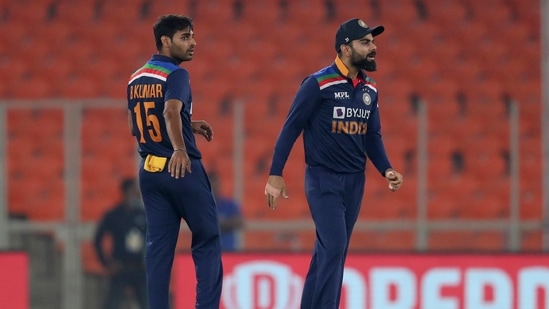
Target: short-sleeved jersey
[[159, 80]]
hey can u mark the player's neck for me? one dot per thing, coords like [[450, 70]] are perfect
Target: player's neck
[[352, 71]]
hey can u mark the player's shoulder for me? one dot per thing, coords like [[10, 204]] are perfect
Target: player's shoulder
[[328, 71], [155, 69], [166, 66], [328, 76]]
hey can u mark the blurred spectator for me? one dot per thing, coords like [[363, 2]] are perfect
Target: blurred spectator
[[330, 10], [238, 9], [421, 9], [225, 105], [409, 156], [415, 100], [283, 5], [230, 217], [457, 162], [462, 103], [125, 223]]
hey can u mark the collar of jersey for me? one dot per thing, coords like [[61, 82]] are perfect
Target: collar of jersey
[[343, 70], [159, 57]]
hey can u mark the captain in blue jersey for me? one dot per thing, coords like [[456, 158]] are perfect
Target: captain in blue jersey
[[173, 181], [336, 109]]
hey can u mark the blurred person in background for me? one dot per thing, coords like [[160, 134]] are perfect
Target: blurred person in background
[[336, 108], [230, 217], [125, 223]]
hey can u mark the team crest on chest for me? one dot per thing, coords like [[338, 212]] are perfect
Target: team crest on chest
[[366, 98]]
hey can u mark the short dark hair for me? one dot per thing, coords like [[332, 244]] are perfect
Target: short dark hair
[[168, 25], [127, 184]]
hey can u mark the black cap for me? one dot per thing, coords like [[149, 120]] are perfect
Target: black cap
[[354, 29]]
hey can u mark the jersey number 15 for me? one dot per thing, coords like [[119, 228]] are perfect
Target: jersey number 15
[[151, 122]]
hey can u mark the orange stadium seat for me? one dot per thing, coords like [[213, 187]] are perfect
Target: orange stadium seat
[[348, 9], [463, 241], [55, 68], [315, 11], [267, 240], [163, 7], [380, 203], [492, 14], [532, 241], [446, 13], [76, 13], [214, 14], [398, 14], [485, 205], [90, 261], [120, 13], [30, 88], [531, 205], [382, 241], [77, 87], [54, 37], [41, 202], [442, 205], [262, 14], [24, 11]]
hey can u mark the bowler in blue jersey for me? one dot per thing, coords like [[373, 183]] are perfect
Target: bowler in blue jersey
[[173, 181], [337, 111]]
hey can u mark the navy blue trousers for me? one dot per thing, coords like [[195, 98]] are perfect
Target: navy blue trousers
[[168, 200], [334, 201]]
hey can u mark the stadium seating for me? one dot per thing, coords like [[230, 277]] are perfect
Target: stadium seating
[[466, 241], [86, 49]]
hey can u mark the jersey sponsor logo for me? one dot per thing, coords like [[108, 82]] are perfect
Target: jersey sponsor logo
[[341, 112], [342, 95]]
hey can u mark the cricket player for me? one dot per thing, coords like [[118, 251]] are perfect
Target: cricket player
[[173, 181], [337, 110]]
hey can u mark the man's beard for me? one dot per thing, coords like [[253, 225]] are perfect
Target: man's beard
[[364, 63], [179, 55]]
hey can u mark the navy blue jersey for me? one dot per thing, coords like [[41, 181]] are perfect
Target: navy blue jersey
[[340, 123], [159, 80]]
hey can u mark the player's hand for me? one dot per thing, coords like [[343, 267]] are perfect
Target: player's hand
[[203, 128], [394, 178], [179, 164], [273, 189], [113, 268]]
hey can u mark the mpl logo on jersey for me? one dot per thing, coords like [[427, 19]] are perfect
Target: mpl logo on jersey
[[341, 95]]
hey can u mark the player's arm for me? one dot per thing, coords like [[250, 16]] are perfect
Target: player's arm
[[307, 99], [130, 123], [98, 242], [375, 149], [179, 162], [178, 90]]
